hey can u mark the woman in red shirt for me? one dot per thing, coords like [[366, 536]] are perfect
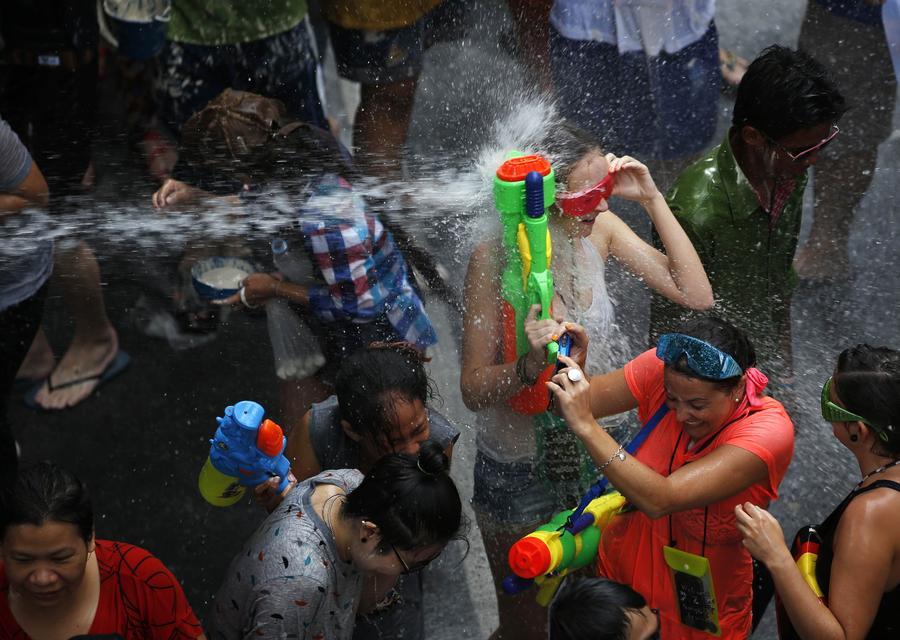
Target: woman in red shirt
[[57, 581], [719, 442]]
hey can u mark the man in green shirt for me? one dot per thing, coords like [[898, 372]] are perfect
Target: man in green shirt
[[261, 46], [741, 204]]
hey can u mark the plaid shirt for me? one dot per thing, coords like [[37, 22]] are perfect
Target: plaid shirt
[[364, 274]]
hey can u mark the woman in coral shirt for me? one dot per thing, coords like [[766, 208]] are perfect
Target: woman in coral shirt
[[718, 442]]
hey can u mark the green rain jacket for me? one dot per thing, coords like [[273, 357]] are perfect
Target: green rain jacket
[[748, 262]]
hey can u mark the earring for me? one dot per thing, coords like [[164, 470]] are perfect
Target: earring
[[737, 399]]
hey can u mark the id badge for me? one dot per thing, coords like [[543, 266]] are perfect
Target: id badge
[[692, 579]]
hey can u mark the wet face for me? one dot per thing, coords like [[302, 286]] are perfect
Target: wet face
[[587, 172], [644, 624], [775, 153], [392, 561], [409, 428], [700, 406], [45, 565]]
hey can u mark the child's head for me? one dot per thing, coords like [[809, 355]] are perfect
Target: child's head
[[382, 391], [600, 609]]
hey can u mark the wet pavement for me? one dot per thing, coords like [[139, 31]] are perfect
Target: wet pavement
[[139, 441]]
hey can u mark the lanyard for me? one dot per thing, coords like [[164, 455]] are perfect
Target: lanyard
[[599, 487], [705, 444]]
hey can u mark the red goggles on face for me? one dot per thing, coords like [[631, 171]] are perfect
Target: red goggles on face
[[583, 202]]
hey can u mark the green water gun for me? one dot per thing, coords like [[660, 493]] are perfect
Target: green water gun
[[524, 189]]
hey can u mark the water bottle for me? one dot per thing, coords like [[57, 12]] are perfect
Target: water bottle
[[294, 346], [295, 266]]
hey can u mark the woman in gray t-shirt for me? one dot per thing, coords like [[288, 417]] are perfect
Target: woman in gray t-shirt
[[301, 574]]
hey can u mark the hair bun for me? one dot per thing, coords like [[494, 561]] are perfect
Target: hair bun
[[432, 460]]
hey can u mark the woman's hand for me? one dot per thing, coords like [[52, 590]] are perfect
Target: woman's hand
[[571, 390], [633, 179], [256, 289], [266, 494], [580, 340], [540, 333], [763, 536], [174, 192]]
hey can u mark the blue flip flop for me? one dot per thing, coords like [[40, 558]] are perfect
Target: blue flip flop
[[116, 366]]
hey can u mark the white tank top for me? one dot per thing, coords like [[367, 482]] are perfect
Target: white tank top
[[507, 436]]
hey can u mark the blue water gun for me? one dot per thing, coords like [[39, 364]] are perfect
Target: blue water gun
[[246, 451]]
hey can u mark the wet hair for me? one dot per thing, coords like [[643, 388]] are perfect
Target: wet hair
[[45, 492], [867, 380], [593, 609], [411, 499], [371, 380], [724, 337], [784, 91], [565, 146]]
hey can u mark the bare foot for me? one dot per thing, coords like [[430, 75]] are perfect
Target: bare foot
[[39, 361], [82, 360], [732, 66]]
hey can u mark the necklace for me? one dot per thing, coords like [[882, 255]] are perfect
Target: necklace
[[878, 470]]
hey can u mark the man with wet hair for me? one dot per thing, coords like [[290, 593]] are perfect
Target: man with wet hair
[[741, 203], [600, 609]]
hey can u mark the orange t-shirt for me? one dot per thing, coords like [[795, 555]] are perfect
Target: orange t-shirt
[[631, 549]]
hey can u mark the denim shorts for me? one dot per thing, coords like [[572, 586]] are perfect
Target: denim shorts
[[282, 66], [384, 57], [664, 107], [511, 492]]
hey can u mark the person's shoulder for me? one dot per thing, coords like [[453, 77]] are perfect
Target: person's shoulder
[[346, 479], [697, 196], [129, 561], [769, 424]]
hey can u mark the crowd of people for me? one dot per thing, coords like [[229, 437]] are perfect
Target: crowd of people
[[227, 113]]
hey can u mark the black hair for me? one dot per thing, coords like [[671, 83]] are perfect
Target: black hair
[[411, 499], [45, 492], [371, 380], [867, 381], [593, 609], [784, 91], [725, 337]]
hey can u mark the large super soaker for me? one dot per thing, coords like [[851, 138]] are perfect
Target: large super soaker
[[545, 556], [246, 451], [524, 189]]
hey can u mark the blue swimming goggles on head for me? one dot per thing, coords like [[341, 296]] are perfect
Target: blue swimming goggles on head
[[702, 358]]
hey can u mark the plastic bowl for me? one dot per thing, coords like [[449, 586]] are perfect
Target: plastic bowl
[[218, 290]]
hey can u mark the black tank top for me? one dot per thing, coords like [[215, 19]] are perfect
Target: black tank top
[[887, 619]]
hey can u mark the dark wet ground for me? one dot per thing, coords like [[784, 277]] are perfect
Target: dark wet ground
[[140, 441]]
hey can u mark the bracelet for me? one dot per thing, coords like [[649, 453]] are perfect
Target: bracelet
[[522, 374], [620, 454]]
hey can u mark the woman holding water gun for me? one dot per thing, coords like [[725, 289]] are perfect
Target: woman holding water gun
[[718, 442], [510, 500], [858, 565]]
